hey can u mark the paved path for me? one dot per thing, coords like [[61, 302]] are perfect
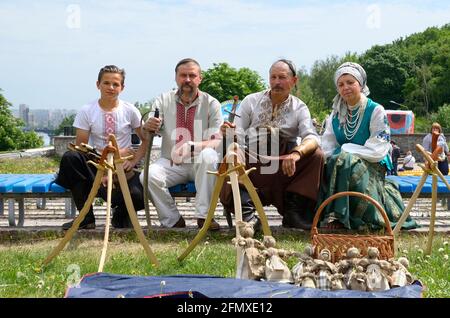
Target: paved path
[[53, 216]]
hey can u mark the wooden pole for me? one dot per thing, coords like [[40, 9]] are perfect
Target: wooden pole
[[108, 214], [433, 216], [238, 215], [80, 218], [244, 178], [411, 203], [129, 203], [212, 208]]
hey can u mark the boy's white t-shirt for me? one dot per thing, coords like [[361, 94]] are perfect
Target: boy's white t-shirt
[[100, 123]]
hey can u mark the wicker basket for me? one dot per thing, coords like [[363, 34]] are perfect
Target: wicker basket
[[338, 244]]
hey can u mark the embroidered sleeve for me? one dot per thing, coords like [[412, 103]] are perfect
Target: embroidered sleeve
[[306, 128], [243, 120], [329, 143]]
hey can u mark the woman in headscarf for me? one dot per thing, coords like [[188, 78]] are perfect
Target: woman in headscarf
[[356, 145]]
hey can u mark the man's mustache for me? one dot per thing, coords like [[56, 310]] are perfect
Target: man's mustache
[[187, 85]]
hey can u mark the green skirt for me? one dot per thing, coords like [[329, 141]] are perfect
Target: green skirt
[[346, 172]]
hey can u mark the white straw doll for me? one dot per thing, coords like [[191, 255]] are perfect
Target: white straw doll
[[276, 268]]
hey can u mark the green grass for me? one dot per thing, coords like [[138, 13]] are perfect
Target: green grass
[[30, 165], [23, 276]]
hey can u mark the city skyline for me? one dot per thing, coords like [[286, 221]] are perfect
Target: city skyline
[[53, 59], [41, 118]]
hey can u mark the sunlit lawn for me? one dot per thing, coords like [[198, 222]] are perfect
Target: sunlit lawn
[[30, 165], [23, 276]]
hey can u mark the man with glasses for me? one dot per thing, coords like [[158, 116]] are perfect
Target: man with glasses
[[276, 121]]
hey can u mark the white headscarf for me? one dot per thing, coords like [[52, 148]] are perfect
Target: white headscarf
[[356, 70]]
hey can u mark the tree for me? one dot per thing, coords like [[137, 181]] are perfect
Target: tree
[[318, 89], [322, 76], [223, 82], [303, 90], [12, 137], [145, 107], [387, 71], [442, 117], [66, 122]]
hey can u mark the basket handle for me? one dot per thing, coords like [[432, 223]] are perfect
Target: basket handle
[[314, 230]]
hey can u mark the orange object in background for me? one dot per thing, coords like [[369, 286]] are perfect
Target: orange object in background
[[401, 121]]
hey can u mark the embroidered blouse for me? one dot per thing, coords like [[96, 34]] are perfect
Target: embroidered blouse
[[292, 117], [371, 142]]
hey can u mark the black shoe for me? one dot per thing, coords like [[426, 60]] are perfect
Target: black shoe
[[298, 211], [86, 224], [120, 219], [295, 220], [180, 223], [214, 226]]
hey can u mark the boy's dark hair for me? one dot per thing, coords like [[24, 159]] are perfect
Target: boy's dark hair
[[111, 69], [185, 61]]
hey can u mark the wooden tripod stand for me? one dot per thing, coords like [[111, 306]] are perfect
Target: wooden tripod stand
[[111, 151], [430, 168], [236, 171]]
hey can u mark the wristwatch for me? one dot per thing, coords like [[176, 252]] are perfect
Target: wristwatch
[[192, 145]]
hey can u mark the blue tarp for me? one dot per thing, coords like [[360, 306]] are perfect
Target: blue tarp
[[104, 285]]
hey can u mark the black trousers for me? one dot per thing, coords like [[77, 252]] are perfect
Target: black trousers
[[78, 176], [443, 166]]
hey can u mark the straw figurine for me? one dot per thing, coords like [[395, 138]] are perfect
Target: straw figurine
[[307, 280], [401, 276], [276, 269], [324, 270], [306, 261], [357, 279], [253, 262], [348, 265], [376, 270], [337, 281]]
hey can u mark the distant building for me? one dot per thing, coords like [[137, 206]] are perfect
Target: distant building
[[41, 119], [24, 113]]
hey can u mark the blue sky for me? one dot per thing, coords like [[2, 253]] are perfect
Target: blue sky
[[51, 51]]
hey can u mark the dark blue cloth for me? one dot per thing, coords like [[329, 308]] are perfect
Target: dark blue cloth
[[104, 285]]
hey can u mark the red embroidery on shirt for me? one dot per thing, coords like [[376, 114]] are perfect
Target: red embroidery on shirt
[[185, 123], [109, 124]]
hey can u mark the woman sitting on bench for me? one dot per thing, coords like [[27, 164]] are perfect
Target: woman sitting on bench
[[356, 147]]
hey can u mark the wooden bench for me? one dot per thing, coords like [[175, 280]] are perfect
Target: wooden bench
[[17, 187], [408, 184]]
